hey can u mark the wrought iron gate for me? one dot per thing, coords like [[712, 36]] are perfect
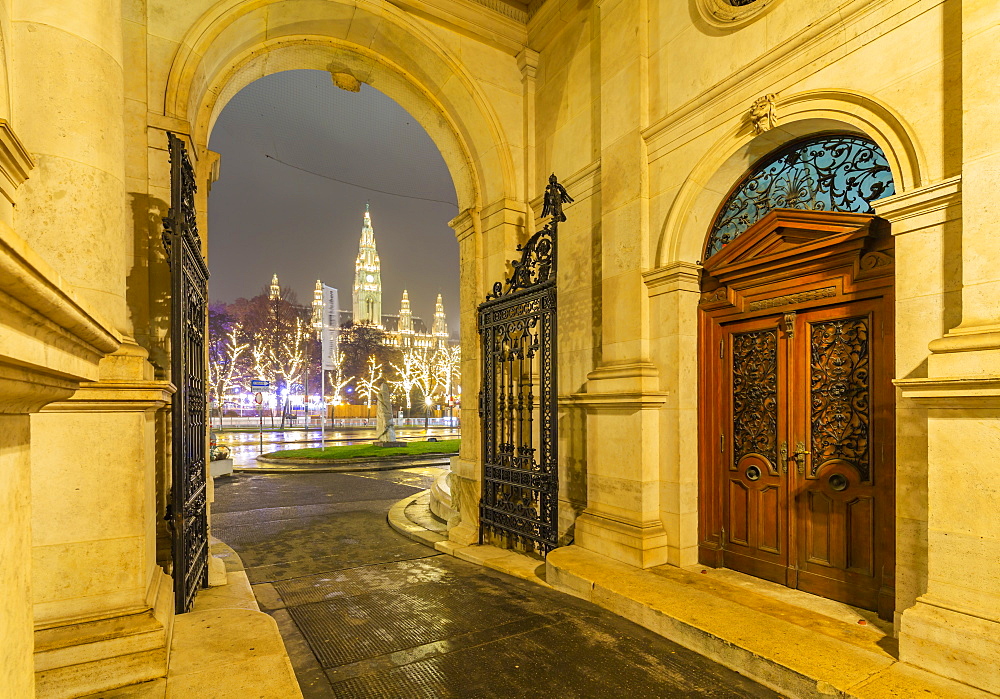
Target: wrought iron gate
[[188, 293], [518, 397]]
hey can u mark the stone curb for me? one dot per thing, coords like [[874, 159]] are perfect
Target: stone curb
[[506, 561], [346, 462], [356, 466]]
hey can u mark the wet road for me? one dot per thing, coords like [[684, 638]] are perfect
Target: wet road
[[367, 613], [244, 447]]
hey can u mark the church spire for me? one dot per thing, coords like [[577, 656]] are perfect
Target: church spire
[[405, 315], [367, 277], [275, 292], [440, 327]]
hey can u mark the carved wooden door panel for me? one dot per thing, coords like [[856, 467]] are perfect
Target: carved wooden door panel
[[755, 494], [842, 399], [807, 445]]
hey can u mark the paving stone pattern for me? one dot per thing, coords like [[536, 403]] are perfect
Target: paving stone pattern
[[369, 614]]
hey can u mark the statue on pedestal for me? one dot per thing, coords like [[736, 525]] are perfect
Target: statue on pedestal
[[385, 425]]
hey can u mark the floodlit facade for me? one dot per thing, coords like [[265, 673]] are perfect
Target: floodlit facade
[[802, 386]]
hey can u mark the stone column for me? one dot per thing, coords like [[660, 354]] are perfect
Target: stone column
[[623, 395], [466, 469], [69, 110], [954, 628]]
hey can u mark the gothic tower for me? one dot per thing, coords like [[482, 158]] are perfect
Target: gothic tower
[[275, 292], [405, 316], [317, 310], [440, 327], [367, 278]]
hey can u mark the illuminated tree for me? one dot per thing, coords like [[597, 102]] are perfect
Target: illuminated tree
[[368, 383], [406, 371], [226, 355], [339, 378]]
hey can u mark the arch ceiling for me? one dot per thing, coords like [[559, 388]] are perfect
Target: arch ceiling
[[238, 41]]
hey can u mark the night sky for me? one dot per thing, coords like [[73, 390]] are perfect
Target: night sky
[[267, 217]]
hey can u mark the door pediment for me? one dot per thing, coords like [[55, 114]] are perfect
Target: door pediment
[[787, 238]]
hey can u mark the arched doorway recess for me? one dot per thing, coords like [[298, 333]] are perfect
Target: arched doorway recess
[[796, 364]]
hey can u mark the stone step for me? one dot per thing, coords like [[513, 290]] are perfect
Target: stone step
[[777, 644]]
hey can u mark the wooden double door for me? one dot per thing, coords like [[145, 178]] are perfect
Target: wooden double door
[[798, 436]]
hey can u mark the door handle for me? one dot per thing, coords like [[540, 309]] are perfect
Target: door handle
[[800, 456]]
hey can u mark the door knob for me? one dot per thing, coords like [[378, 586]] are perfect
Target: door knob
[[800, 456]]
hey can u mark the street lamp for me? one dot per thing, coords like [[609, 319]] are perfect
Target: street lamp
[[427, 413]]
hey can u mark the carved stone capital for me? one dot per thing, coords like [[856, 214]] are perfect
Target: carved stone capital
[[675, 276]]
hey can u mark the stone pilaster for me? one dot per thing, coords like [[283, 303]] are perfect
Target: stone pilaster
[[623, 395], [102, 606], [955, 625], [527, 61], [674, 291], [927, 226], [48, 343]]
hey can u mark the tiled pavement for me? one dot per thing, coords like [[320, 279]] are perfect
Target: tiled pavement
[[367, 613]]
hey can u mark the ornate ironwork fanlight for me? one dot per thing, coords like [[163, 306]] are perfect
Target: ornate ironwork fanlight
[[831, 172]]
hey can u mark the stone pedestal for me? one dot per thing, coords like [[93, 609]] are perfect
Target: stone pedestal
[[954, 628], [622, 519], [102, 606]]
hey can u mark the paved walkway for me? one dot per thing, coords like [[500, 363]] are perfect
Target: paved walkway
[[366, 613]]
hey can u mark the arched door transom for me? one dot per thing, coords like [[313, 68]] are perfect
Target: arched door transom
[[828, 172]]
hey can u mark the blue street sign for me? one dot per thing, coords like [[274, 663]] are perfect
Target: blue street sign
[[256, 385]]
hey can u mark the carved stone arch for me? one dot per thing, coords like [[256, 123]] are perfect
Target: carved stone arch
[[237, 42], [684, 231]]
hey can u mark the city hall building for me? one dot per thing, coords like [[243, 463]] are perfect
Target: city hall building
[[777, 293]]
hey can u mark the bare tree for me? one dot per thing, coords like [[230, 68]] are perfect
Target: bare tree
[[407, 372], [367, 384], [339, 378]]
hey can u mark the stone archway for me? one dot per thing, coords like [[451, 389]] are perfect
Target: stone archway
[[236, 42]]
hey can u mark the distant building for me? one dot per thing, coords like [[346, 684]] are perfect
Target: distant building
[[403, 329], [367, 277]]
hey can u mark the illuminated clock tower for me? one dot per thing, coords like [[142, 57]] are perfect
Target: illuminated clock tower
[[367, 278]]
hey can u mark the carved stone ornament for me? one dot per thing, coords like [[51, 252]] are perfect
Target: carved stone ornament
[[764, 113], [346, 81], [875, 259], [728, 14]]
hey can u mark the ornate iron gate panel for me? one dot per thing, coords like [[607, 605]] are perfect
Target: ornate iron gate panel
[[188, 293], [518, 397]]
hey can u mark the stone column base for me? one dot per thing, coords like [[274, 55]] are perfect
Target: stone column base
[[87, 657], [951, 643], [465, 494], [641, 544]]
